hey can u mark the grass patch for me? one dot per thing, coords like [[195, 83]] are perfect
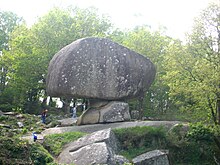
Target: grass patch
[[54, 143]]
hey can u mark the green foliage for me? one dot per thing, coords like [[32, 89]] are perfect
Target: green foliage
[[193, 69], [13, 151], [182, 149], [54, 143], [196, 147], [39, 155], [30, 122], [32, 48], [137, 140], [200, 132], [8, 21], [16, 151]]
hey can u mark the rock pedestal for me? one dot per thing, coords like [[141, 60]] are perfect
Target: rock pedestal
[[114, 111]]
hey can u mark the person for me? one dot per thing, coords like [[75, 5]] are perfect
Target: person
[[34, 136], [43, 116], [74, 112]]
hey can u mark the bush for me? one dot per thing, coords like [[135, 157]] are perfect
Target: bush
[[196, 147], [137, 140], [16, 151], [199, 132], [39, 155], [193, 147]]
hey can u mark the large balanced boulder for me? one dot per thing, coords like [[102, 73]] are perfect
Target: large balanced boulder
[[98, 68]]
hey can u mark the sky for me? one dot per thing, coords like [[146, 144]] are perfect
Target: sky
[[176, 15]]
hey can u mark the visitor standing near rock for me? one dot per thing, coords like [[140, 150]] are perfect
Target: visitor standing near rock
[[74, 112], [43, 116]]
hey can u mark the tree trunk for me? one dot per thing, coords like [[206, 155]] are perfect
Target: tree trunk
[[66, 105], [141, 108], [212, 111], [218, 109]]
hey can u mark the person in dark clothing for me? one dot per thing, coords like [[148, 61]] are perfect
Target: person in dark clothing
[[43, 116]]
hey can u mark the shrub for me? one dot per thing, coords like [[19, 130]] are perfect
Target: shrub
[[194, 148], [137, 140], [39, 155]]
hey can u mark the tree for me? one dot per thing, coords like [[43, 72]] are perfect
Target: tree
[[194, 72], [61, 27], [8, 21], [31, 50]]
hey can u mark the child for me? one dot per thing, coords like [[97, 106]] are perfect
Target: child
[[34, 136]]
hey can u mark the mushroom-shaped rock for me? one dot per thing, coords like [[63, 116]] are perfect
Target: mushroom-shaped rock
[[98, 68]]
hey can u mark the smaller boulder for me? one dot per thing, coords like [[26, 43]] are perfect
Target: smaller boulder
[[96, 153], [19, 116], [113, 111], [155, 157], [96, 148], [1, 113], [20, 124]]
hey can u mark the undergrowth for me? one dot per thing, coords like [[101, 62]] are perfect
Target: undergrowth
[[54, 143]]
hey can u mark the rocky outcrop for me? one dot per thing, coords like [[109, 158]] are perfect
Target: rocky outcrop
[[155, 157], [98, 68], [100, 147], [114, 111]]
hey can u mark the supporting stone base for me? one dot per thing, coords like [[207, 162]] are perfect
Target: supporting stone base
[[114, 111]]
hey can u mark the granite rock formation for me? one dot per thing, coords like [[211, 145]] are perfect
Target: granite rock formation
[[100, 69]]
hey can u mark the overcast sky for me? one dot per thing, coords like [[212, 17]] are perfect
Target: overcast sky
[[176, 15]]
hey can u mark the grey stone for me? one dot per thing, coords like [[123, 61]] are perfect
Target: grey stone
[[119, 159], [20, 124], [179, 130], [90, 116], [5, 125], [1, 113], [96, 153], [105, 135], [135, 114], [98, 68], [155, 157], [10, 113], [67, 122], [113, 111], [96, 148]]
